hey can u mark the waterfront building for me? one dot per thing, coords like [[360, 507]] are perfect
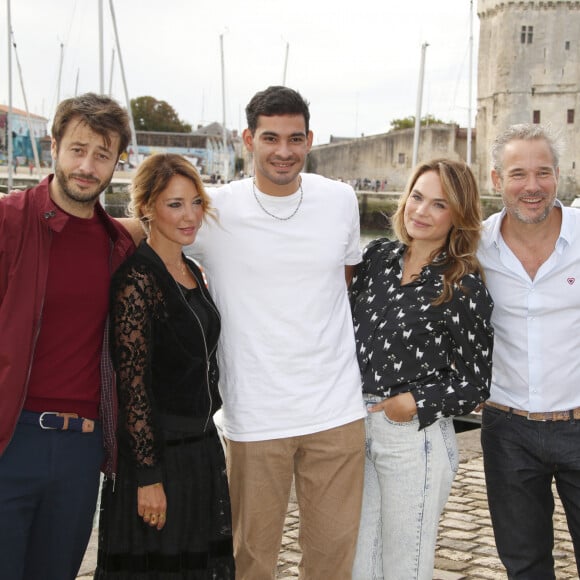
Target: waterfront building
[[22, 136], [203, 147]]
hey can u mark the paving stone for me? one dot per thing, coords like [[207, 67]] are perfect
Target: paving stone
[[486, 574], [455, 521], [456, 506], [455, 556], [488, 562], [489, 550], [447, 575], [456, 545]]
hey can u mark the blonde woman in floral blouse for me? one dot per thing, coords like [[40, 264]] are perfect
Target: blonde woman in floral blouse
[[424, 342]]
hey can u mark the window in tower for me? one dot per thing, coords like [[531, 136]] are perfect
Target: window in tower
[[567, 45], [527, 34], [536, 117], [570, 115]]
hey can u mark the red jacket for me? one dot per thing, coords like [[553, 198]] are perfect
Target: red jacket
[[27, 220]]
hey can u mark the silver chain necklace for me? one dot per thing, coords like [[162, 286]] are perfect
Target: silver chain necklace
[[283, 219]]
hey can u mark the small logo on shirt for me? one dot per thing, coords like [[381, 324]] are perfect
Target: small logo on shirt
[[570, 280]]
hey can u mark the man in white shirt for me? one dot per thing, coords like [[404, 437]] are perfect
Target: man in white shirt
[[276, 260], [531, 424]]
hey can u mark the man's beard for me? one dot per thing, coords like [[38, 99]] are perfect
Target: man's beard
[[87, 197]]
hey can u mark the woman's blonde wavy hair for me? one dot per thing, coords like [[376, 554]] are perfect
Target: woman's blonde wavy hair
[[460, 189]]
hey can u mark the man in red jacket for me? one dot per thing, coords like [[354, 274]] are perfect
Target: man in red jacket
[[58, 249]]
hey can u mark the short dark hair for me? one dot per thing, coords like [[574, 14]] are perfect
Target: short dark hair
[[276, 100], [100, 113]]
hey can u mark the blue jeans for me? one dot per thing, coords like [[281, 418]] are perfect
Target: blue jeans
[[521, 459], [408, 477], [49, 482]]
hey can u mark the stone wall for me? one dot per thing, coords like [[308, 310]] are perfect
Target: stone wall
[[387, 156]]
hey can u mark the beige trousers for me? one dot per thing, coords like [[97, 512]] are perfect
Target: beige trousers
[[328, 468]]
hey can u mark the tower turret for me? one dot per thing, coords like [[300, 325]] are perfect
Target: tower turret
[[529, 72]]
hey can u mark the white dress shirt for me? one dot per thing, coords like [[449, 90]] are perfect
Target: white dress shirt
[[536, 358]]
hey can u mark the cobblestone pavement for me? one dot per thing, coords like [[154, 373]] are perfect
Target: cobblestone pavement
[[465, 547]]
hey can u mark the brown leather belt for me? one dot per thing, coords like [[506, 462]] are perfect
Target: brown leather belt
[[547, 416]]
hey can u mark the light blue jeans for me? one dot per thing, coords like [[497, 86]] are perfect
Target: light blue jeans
[[408, 477]]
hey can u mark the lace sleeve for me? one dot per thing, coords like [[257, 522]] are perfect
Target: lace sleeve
[[133, 312]]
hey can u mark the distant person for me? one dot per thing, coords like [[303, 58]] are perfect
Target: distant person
[[424, 341], [167, 513], [531, 424], [58, 250], [277, 265]]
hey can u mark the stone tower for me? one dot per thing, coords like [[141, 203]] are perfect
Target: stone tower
[[529, 72]]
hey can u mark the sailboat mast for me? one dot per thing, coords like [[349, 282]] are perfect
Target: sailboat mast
[[111, 73], [9, 116], [59, 73], [28, 120], [127, 100], [469, 97], [285, 64], [224, 133], [417, 134], [101, 51]]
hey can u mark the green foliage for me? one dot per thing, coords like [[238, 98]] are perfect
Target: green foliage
[[409, 122], [149, 114]]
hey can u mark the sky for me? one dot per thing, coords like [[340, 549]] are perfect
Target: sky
[[357, 62]]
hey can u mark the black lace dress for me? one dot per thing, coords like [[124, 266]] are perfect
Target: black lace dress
[[163, 341]]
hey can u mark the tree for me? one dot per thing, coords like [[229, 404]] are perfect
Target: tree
[[409, 122], [149, 114]]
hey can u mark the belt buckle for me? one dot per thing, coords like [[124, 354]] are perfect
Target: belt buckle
[[40, 419]]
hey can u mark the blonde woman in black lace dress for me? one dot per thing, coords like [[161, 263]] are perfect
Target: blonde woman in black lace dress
[[166, 515]]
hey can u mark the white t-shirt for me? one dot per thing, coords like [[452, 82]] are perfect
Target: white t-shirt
[[287, 354]]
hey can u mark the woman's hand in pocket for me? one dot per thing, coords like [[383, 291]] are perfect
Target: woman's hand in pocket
[[400, 408]]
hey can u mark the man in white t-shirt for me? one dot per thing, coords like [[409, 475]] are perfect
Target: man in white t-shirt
[[277, 261]]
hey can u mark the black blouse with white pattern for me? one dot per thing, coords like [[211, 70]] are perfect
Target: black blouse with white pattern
[[440, 354]]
